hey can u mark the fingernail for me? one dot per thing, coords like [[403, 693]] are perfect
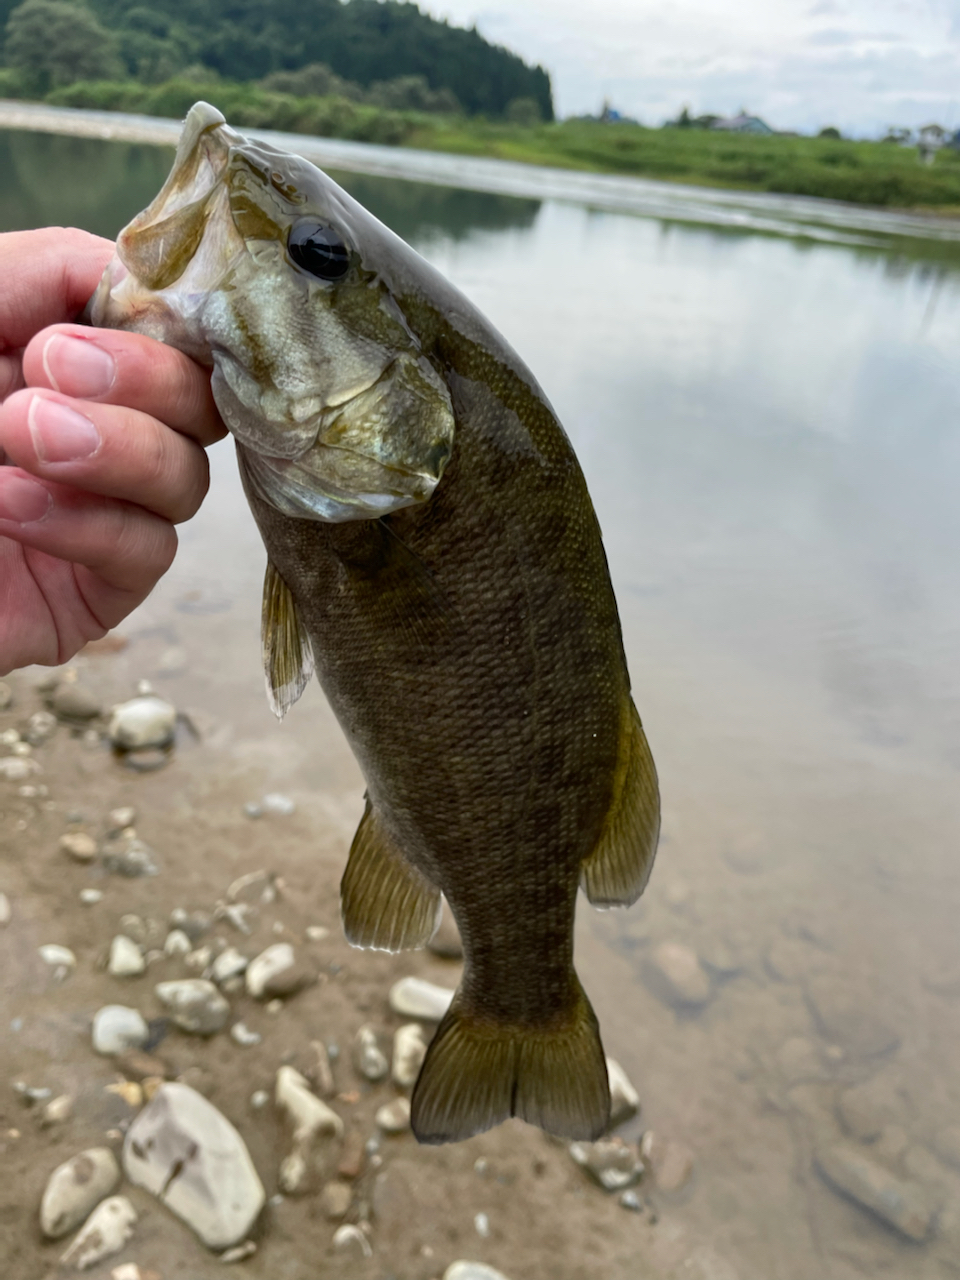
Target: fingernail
[[78, 367], [59, 433], [22, 499]]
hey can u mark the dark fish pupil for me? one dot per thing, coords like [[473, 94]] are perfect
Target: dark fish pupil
[[319, 250]]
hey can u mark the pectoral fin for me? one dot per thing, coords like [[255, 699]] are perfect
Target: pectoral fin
[[287, 651], [386, 903], [616, 873]]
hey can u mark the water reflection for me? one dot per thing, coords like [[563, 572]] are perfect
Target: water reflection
[[770, 432]]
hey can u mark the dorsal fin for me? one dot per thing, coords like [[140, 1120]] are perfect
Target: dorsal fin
[[617, 871], [287, 651], [385, 902]]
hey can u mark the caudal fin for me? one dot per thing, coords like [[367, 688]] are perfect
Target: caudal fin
[[478, 1073]]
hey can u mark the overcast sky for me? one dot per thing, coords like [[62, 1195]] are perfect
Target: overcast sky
[[801, 64]]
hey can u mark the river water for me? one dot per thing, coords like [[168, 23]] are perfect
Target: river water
[[769, 429]]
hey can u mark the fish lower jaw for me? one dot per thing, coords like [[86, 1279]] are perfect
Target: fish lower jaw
[[305, 497]]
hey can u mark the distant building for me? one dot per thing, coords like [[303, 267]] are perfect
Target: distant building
[[930, 138], [743, 123]]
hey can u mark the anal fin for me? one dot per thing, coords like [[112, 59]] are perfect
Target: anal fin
[[616, 872], [386, 903], [287, 651]]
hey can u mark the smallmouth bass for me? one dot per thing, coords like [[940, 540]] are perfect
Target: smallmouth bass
[[433, 553]]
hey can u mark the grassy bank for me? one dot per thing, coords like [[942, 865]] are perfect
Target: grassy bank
[[871, 173]]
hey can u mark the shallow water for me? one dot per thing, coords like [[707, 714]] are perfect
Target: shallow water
[[769, 429]]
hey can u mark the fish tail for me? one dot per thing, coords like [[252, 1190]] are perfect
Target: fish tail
[[478, 1072]]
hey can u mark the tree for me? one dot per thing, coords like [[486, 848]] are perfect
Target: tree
[[829, 132], [55, 42]]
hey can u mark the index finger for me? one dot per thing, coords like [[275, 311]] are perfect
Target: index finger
[[48, 276]]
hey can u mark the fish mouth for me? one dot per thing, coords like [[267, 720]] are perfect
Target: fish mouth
[[174, 231]]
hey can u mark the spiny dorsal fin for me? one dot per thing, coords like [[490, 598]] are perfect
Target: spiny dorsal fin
[[386, 903], [478, 1072], [287, 651], [617, 871]]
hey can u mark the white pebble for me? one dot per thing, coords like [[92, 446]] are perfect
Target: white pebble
[[241, 1034], [350, 1237], [90, 897], [177, 943], [414, 998], [409, 1051], [58, 957], [107, 1230], [147, 721], [117, 1028], [5, 910], [482, 1224], [281, 805], [126, 958], [267, 966]]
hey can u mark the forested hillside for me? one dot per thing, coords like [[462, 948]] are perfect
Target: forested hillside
[[363, 42]]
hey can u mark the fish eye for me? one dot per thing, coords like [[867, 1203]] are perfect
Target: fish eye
[[319, 250]]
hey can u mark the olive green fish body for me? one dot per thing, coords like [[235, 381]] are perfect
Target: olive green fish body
[[434, 555]]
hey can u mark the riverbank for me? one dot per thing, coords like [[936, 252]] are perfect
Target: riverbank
[[877, 174], [799, 217]]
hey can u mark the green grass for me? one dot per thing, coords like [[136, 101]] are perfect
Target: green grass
[[870, 173]]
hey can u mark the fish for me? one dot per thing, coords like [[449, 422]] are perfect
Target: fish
[[434, 556]]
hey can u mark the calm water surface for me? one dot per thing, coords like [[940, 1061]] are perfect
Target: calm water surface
[[770, 434]]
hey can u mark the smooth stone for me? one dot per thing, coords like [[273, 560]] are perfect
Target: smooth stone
[[117, 1028], [394, 1117], [267, 966], [71, 701], [108, 1229], [671, 1163], [79, 846], [240, 1252], [320, 1072], [186, 1153], [241, 1034], [56, 1111], [843, 1017], [368, 1056], [409, 1051], [866, 1109], [142, 722], [230, 963], [90, 897], [136, 929], [120, 819], [126, 958], [139, 1065], [674, 973], [195, 1005], [798, 1061], [290, 980], [902, 1205], [624, 1099], [57, 957], [75, 1188], [310, 1116], [349, 1238], [177, 943], [352, 1156], [17, 769], [131, 858], [335, 1200], [463, 1270], [6, 911], [415, 998], [41, 727], [611, 1162], [631, 1201], [279, 805], [316, 933]]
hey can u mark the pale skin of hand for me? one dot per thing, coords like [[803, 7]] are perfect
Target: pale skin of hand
[[102, 438]]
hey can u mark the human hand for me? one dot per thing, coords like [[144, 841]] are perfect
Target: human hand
[[101, 434]]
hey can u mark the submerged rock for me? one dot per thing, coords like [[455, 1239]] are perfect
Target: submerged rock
[[79, 846], [109, 1228], [905, 1206], [146, 721], [409, 1051], [126, 958], [6, 912], [624, 1099], [195, 1005], [843, 1017], [671, 1163], [182, 1150], [72, 702], [75, 1188], [415, 998], [117, 1028], [611, 1162], [335, 1200], [268, 968], [394, 1117], [472, 1271], [350, 1239], [674, 974], [311, 1119], [369, 1057]]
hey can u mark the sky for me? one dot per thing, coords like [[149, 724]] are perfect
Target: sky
[[861, 65]]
